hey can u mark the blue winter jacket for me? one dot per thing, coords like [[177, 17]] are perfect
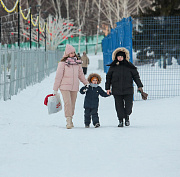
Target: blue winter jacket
[[92, 96]]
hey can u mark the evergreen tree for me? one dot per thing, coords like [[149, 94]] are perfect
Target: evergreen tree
[[162, 8]]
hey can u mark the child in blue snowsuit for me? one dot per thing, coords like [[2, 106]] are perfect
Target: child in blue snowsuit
[[91, 101]]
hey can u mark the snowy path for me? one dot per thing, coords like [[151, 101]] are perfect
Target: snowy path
[[35, 144]]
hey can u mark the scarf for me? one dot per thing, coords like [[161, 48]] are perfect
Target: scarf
[[72, 61], [93, 85]]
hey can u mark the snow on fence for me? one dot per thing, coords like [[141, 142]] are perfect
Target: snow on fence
[[22, 68]]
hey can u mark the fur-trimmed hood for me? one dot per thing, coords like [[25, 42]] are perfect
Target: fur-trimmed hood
[[94, 75], [123, 50]]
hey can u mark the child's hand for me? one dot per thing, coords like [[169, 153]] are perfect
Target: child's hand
[[87, 86], [85, 90]]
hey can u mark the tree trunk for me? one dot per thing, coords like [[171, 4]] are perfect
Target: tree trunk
[[98, 27]]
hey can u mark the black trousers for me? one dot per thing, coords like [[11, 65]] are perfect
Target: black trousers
[[91, 112], [84, 70], [123, 104]]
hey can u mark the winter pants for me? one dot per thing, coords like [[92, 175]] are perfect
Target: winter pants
[[91, 112], [69, 98], [123, 104], [84, 70]]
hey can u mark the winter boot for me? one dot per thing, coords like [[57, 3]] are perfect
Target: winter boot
[[97, 125], [120, 123], [86, 126], [72, 122], [127, 122], [69, 124]]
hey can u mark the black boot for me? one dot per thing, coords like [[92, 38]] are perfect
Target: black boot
[[97, 125], [120, 123], [127, 122]]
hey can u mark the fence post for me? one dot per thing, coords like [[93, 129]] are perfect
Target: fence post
[[0, 31], [25, 68], [0, 70], [17, 71], [5, 68], [30, 28], [19, 24], [12, 73]]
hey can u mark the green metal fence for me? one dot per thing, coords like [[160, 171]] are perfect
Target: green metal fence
[[88, 44]]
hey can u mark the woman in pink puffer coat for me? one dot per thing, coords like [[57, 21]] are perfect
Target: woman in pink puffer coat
[[68, 74]]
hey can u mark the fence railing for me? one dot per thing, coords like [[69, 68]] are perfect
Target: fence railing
[[155, 46], [21, 68]]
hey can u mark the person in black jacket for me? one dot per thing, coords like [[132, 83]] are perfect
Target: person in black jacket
[[91, 101], [120, 77]]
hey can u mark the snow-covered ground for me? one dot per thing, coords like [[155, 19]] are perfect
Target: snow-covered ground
[[35, 144]]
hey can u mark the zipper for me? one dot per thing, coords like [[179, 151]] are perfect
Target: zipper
[[123, 78], [73, 76]]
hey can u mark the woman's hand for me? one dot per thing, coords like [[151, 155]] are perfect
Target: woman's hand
[[109, 92], [140, 90], [55, 92]]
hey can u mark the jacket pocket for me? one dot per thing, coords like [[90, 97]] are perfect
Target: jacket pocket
[[66, 81]]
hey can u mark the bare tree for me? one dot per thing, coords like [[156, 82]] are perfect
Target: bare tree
[[98, 27], [57, 7], [58, 30], [115, 10], [67, 8], [80, 18]]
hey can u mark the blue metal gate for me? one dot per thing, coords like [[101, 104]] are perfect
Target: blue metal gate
[[121, 36]]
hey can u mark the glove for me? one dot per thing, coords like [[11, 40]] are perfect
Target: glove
[[144, 95], [87, 86], [140, 90], [85, 90], [55, 92]]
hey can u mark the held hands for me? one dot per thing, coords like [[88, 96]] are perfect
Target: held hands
[[86, 88], [109, 92]]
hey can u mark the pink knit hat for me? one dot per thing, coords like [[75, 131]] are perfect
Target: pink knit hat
[[68, 50]]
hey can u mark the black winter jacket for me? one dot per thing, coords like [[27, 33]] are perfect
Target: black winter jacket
[[92, 96], [121, 77]]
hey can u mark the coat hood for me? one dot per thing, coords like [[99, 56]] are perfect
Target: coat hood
[[123, 50], [94, 75]]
